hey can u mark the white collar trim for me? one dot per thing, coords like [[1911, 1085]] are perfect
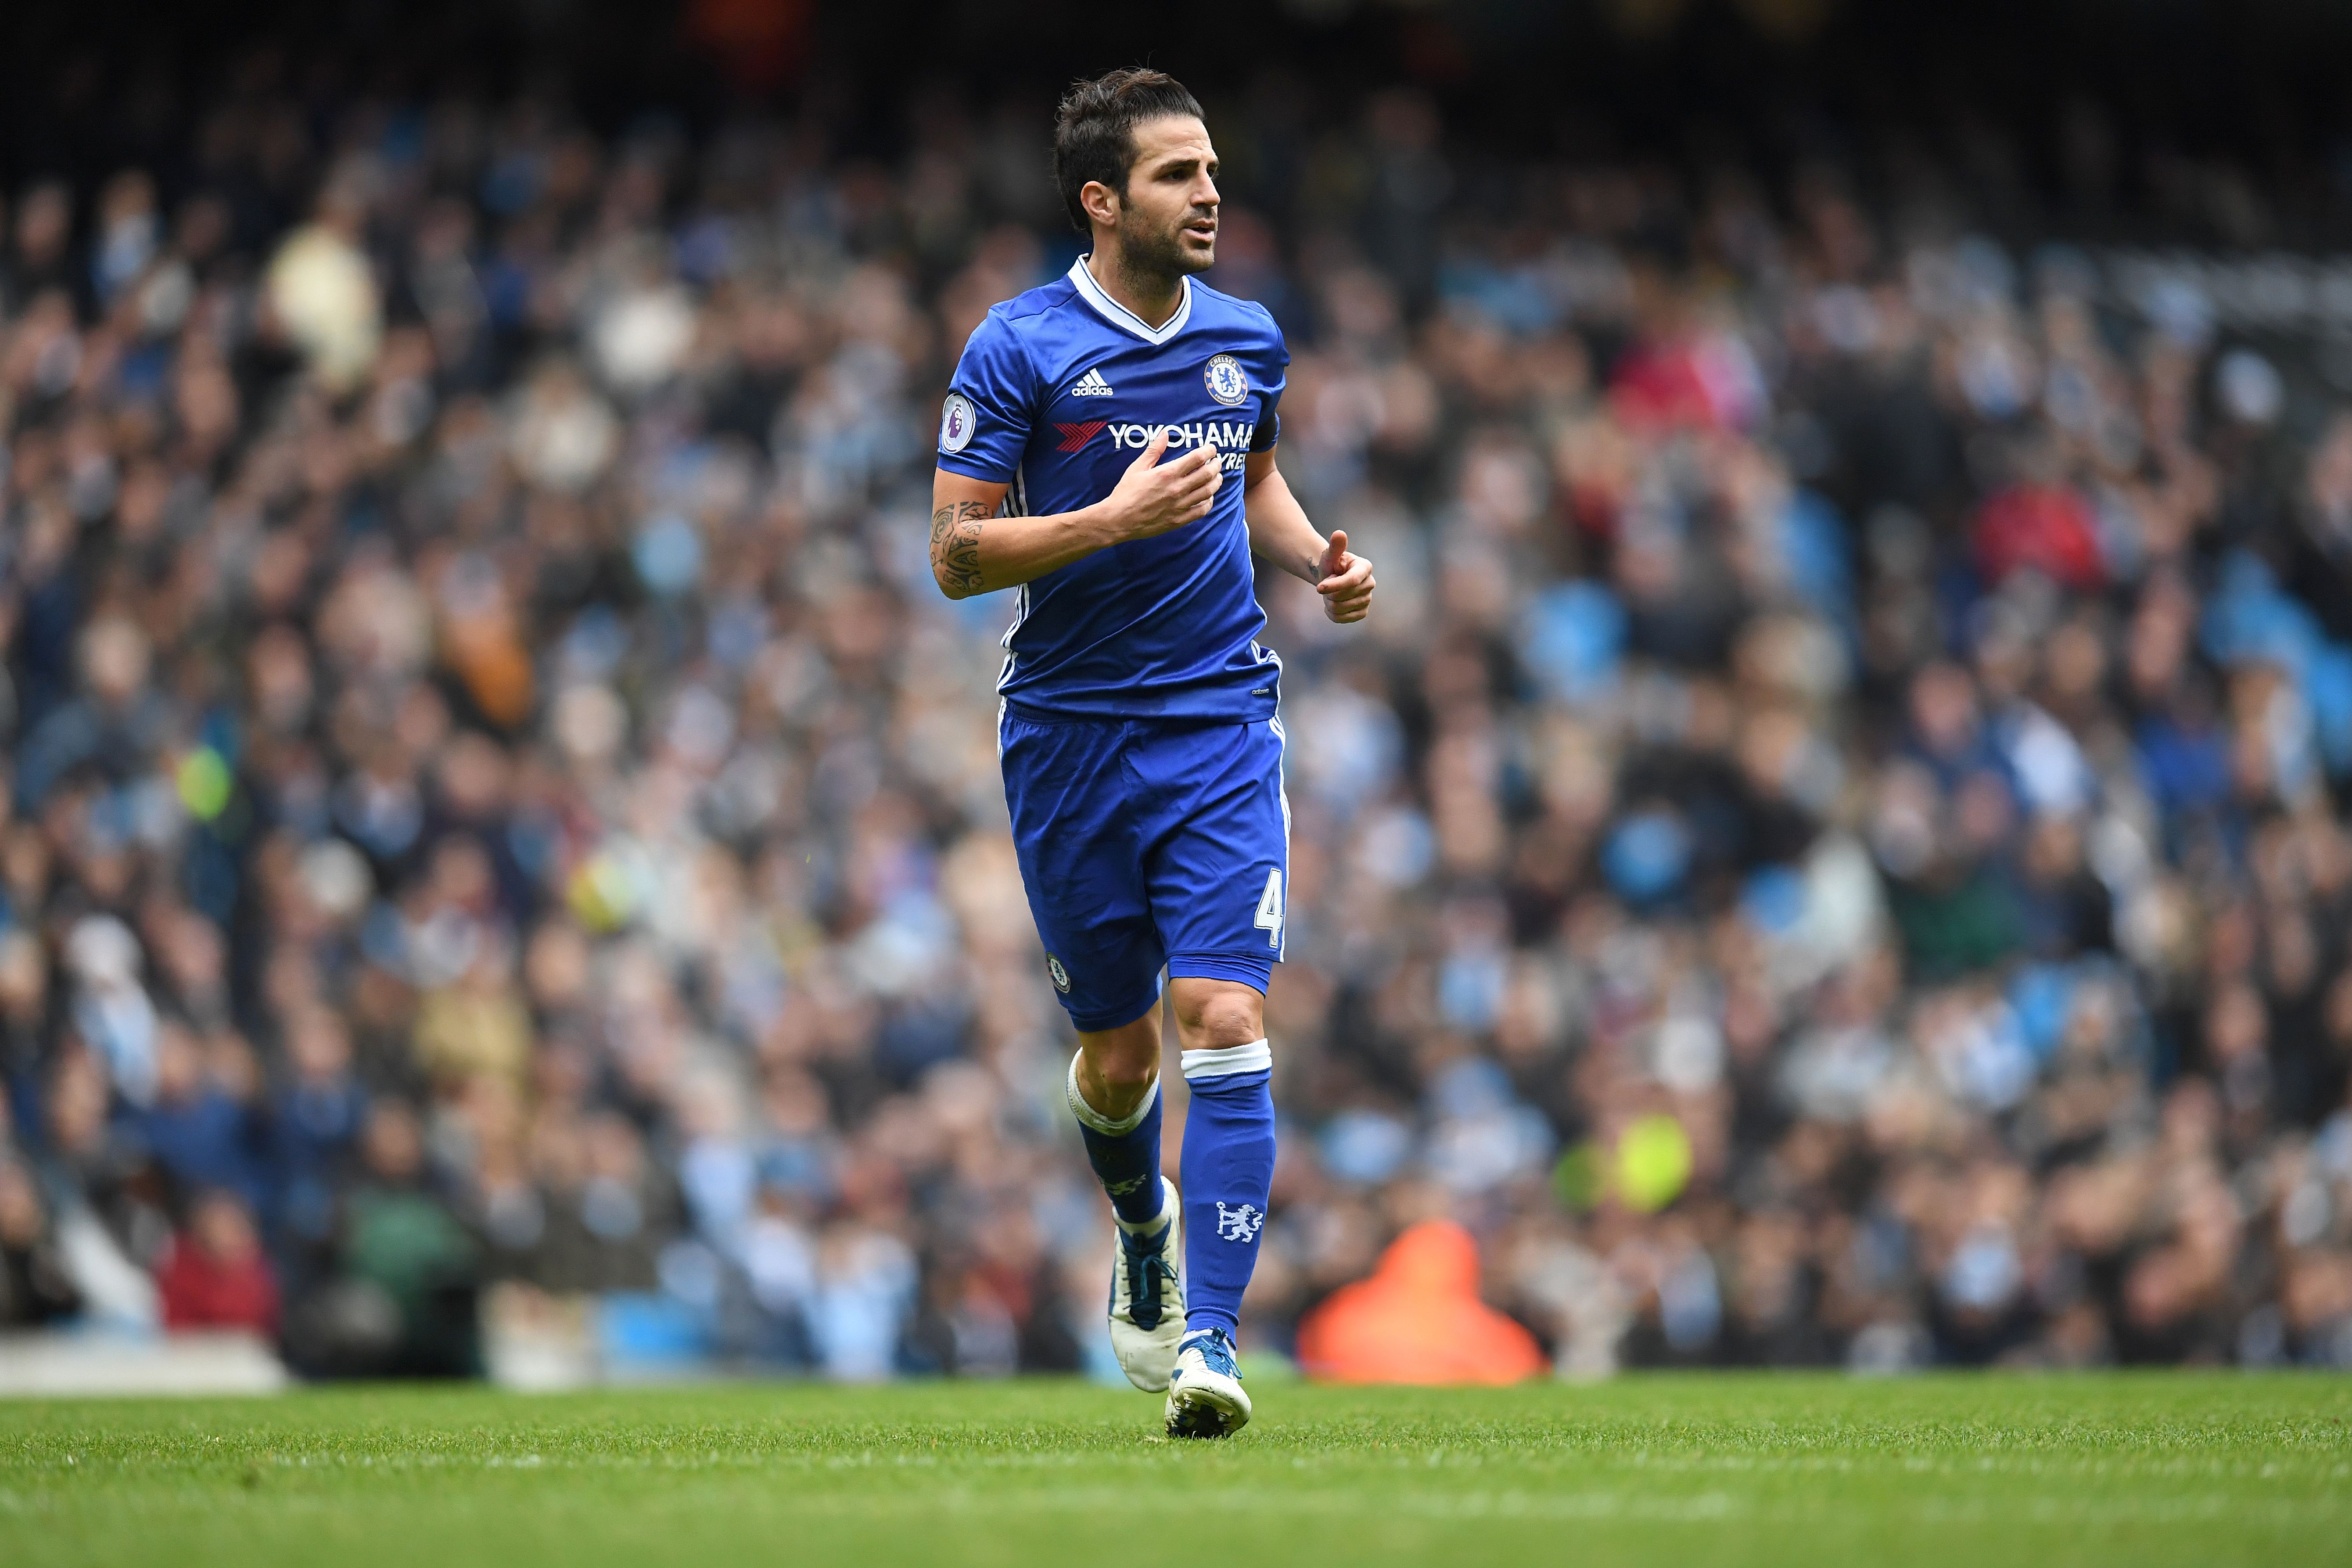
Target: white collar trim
[[1118, 315]]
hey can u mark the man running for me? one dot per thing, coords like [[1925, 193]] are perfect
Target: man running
[[1084, 452]]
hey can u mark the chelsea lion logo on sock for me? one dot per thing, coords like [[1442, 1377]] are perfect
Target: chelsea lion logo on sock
[[1061, 977], [1226, 383], [1238, 1223]]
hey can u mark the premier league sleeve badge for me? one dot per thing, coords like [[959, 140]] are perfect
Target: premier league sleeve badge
[[956, 423]]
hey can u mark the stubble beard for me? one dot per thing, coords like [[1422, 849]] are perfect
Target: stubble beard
[[1156, 257]]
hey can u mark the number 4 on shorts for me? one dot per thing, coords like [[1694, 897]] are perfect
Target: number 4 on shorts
[[1270, 909]]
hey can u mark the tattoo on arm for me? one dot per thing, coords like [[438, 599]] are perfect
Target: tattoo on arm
[[955, 546]]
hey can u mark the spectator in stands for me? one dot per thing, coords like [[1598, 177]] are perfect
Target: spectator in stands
[[36, 1287], [402, 1241], [215, 1275], [316, 1124], [203, 1129]]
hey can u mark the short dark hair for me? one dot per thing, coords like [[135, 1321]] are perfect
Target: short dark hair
[[1094, 133]]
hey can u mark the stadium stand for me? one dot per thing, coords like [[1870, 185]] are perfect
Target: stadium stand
[[1825, 855]]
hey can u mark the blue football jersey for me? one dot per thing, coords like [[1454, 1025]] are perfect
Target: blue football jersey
[[1057, 394]]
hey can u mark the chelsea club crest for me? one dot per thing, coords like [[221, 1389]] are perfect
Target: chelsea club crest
[[1061, 977], [1226, 383]]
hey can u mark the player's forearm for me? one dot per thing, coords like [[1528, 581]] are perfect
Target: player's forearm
[[973, 551], [1012, 551], [1278, 529]]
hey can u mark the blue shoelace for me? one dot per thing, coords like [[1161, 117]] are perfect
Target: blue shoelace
[[1147, 1267], [1216, 1351]]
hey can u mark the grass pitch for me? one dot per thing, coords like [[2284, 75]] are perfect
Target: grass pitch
[[1752, 1469]]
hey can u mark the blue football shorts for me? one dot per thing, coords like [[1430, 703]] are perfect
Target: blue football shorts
[[1149, 844]]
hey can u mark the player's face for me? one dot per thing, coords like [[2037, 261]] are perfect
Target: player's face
[[1169, 221]]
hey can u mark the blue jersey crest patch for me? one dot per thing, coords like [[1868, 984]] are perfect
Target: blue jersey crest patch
[[1225, 380]]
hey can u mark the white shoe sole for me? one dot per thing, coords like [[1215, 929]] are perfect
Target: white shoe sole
[[1147, 1356], [1206, 1404]]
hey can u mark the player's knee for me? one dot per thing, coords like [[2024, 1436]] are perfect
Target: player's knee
[[1125, 1060], [1127, 1071], [1215, 1014]]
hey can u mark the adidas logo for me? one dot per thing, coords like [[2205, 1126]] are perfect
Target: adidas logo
[[1091, 384]]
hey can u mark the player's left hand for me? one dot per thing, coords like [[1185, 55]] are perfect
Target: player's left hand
[[1347, 586]]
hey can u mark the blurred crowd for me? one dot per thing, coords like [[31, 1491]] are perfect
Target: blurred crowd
[[1825, 853]]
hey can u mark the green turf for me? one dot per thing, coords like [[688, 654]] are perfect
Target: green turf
[[2129, 1469]]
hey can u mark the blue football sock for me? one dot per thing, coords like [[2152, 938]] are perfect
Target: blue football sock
[[1228, 1173], [1125, 1153]]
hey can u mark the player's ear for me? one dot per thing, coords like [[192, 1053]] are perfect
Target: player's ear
[[1100, 201]]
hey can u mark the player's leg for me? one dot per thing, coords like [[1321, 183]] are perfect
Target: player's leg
[[1228, 1164], [1074, 836], [1217, 868], [1114, 1089], [1228, 1156]]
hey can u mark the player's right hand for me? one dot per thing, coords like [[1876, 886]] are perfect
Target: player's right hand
[[1154, 497]]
